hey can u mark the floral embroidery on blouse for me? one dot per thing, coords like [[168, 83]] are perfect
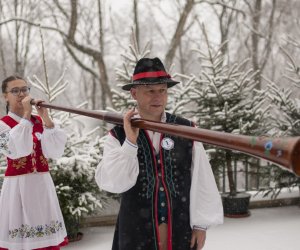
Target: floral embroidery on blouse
[[26, 231], [4, 137], [20, 163]]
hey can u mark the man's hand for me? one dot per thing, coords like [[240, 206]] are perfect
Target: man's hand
[[131, 132], [198, 238]]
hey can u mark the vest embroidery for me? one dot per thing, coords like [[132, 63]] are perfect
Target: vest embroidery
[[20, 163], [43, 160], [34, 162], [148, 178]]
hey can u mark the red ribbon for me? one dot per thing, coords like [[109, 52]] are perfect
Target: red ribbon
[[150, 75]]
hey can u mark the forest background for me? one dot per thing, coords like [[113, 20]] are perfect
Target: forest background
[[237, 61], [88, 38]]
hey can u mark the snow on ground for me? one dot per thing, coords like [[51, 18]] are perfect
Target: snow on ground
[[266, 229]]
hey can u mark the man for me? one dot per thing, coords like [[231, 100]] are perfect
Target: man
[[169, 195]]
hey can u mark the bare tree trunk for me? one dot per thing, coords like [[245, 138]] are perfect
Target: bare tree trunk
[[3, 62], [259, 62], [255, 40], [2, 56], [104, 78], [267, 49], [181, 59], [136, 22], [96, 55], [26, 47], [230, 173], [225, 21], [17, 27], [101, 39], [178, 33], [73, 21], [93, 91]]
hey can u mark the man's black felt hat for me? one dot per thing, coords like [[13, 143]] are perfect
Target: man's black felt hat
[[150, 71]]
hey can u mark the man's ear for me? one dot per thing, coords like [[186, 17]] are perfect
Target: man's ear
[[133, 93]]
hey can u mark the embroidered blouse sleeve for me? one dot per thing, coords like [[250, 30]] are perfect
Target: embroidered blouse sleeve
[[53, 142], [205, 202], [118, 170], [16, 142]]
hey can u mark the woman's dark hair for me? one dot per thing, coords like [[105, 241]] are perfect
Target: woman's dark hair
[[5, 83]]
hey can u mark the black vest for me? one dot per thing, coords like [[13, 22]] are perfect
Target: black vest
[[137, 225]]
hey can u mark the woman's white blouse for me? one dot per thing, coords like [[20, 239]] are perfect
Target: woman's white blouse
[[17, 142]]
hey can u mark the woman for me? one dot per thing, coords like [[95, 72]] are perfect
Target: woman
[[30, 216]]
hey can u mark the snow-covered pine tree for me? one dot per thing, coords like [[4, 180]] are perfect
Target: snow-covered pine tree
[[73, 173], [224, 98], [178, 96], [285, 102], [285, 121], [122, 100], [286, 118], [74, 178]]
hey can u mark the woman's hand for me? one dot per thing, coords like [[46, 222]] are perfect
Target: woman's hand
[[27, 107], [43, 113]]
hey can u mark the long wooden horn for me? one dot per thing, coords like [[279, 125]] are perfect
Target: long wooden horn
[[284, 151]]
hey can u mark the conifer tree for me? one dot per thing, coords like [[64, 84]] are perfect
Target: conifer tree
[[286, 103], [122, 100], [73, 173], [285, 121], [223, 98]]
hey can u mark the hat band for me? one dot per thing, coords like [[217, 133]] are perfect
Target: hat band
[[150, 75]]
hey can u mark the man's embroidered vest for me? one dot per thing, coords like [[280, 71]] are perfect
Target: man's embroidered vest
[[35, 162], [168, 172]]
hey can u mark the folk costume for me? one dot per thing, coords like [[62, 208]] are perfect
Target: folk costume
[[159, 164], [30, 216], [162, 179]]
